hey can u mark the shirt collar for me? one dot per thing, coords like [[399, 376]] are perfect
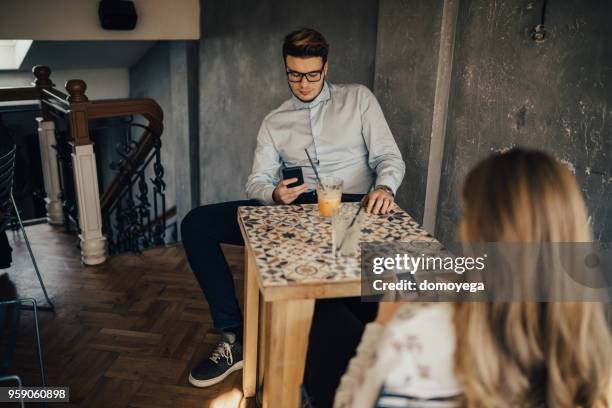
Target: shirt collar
[[324, 95]]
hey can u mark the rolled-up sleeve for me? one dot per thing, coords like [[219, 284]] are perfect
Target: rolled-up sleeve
[[384, 157], [264, 174]]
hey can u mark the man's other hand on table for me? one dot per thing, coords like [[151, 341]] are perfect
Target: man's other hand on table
[[379, 201]]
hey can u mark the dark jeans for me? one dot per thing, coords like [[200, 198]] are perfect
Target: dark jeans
[[337, 324]]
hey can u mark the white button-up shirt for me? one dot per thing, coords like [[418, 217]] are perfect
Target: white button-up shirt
[[346, 135]]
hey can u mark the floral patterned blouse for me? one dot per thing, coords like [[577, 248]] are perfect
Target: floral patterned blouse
[[407, 362]]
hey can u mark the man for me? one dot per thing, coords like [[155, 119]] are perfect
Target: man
[[345, 132]]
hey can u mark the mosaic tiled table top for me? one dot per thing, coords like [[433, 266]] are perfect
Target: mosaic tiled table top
[[293, 244]]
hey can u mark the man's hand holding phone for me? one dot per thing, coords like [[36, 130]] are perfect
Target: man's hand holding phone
[[286, 195]]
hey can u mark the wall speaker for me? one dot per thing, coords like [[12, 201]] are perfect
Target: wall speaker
[[117, 15]]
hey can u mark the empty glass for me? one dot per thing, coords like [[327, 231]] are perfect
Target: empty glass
[[345, 238]]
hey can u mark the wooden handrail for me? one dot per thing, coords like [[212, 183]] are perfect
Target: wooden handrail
[[126, 107], [19, 94]]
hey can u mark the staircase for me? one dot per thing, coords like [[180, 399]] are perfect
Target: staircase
[[129, 214]]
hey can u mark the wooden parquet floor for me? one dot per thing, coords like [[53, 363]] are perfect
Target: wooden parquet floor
[[125, 333]]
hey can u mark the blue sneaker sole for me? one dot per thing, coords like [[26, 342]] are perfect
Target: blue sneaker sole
[[212, 381]]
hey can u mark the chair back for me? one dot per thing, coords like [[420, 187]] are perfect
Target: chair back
[[9, 326], [7, 171]]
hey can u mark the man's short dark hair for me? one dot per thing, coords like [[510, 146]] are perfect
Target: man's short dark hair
[[305, 43]]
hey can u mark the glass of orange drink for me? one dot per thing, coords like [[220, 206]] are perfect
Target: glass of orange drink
[[329, 195]]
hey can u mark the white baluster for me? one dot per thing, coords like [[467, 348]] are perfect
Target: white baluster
[[48, 157]]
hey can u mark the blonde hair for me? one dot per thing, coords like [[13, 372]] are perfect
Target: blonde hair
[[528, 353]]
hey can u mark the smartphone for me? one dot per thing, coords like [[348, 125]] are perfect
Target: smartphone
[[291, 172]]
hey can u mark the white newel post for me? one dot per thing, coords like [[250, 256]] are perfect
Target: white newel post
[[93, 248], [48, 157], [88, 197]]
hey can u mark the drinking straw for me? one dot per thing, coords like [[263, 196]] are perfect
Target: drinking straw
[[315, 170]]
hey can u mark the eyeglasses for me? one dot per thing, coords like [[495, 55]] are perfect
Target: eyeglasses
[[312, 76]]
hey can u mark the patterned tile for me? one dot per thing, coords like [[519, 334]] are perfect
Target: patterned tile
[[294, 244]]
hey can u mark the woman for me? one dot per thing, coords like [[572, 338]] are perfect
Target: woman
[[493, 354]]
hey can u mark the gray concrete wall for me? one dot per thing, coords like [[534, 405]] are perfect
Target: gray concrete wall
[[184, 127], [406, 63], [150, 78], [242, 74], [508, 90]]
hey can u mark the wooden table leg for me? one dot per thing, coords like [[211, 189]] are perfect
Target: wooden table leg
[[261, 350], [251, 324], [287, 329]]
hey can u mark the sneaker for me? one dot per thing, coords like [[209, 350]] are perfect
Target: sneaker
[[224, 360]]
